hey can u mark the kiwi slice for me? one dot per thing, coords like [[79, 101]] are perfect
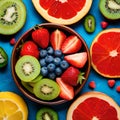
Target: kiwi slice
[[12, 16], [27, 68], [89, 23], [3, 58], [46, 89], [46, 113], [110, 9]]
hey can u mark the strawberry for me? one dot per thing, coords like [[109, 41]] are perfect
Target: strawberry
[[118, 88], [57, 38], [67, 91], [92, 84], [78, 59], [41, 37], [111, 83], [72, 76], [71, 45], [30, 48], [104, 24]]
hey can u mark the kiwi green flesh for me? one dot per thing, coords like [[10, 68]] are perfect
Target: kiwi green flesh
[[110, 9], [46, 89], [46, 113], [3, 58], [12, 16], [27, 68]]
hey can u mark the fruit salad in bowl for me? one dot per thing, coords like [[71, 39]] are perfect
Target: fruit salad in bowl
[[50, 63]]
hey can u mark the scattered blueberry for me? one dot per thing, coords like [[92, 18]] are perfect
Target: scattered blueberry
[[42, 62], [58, 53], [52, 76], [50, 50], [64, 64], [57, 61], [44, 71], [43, 53], [51, 67], [58, 71], [49, 59]]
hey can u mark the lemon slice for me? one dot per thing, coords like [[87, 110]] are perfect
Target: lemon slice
[[12, 107]]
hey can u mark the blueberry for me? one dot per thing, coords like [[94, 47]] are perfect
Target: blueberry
[[50, 50], [58, 53], [44, 71], [42, 62], [52, 76], [43, 53], [49, 59], [64, 64], [51, 67], [57, 61], [58, 71]]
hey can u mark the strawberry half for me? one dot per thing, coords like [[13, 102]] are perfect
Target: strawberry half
[[67, 91], [71, 45], [78, 59], [72, 76], [30, 48], [41, 37], [57, 38]]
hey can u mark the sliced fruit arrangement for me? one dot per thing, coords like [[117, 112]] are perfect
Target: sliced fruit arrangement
[[12, 106], [3, 58], [12, 16], [46, 64], [62, 11], [110, 9], [94, 106], [46, 113], [105, 53]]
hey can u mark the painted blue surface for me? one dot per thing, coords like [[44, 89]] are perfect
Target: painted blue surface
[[33, 18]]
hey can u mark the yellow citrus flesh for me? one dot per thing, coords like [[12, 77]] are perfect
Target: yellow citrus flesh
[[12, 107], [76, 18]]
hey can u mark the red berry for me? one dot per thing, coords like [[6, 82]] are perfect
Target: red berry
[[104, 24], [12, 41], [111, 83], [92, 84], [118, 88]]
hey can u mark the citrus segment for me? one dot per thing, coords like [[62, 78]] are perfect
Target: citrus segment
[[105, 53], [62, 11], [94, 106], [12, 107]]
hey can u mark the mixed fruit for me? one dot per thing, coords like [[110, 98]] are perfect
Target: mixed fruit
[[51, 63]]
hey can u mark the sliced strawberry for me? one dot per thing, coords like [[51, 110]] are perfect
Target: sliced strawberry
[[67, 91], [72, 76], [41, 37], [30, 48], [78, 59], [57, 38], [71, 45]]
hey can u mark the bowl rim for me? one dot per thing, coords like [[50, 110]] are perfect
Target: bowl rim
[[23, 90]]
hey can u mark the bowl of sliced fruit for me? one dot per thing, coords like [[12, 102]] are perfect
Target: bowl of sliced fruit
[[50, 63]]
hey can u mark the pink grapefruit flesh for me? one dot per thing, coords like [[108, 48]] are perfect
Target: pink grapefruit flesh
[[105, 53]]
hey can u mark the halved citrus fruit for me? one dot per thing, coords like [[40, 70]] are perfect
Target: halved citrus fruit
[[12, 107], [94, 106], [62, 11], [105, 53]]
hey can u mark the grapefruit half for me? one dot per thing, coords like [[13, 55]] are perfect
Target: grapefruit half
[[94, 106], [105, 53], [64, 12]]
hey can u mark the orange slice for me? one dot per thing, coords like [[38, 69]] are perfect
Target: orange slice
[[12, 107], [105, 53], [94, 106], [62, 11]]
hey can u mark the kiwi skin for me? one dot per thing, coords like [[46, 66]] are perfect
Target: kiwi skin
[[110, 13], [16, 22], [46, 112]]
